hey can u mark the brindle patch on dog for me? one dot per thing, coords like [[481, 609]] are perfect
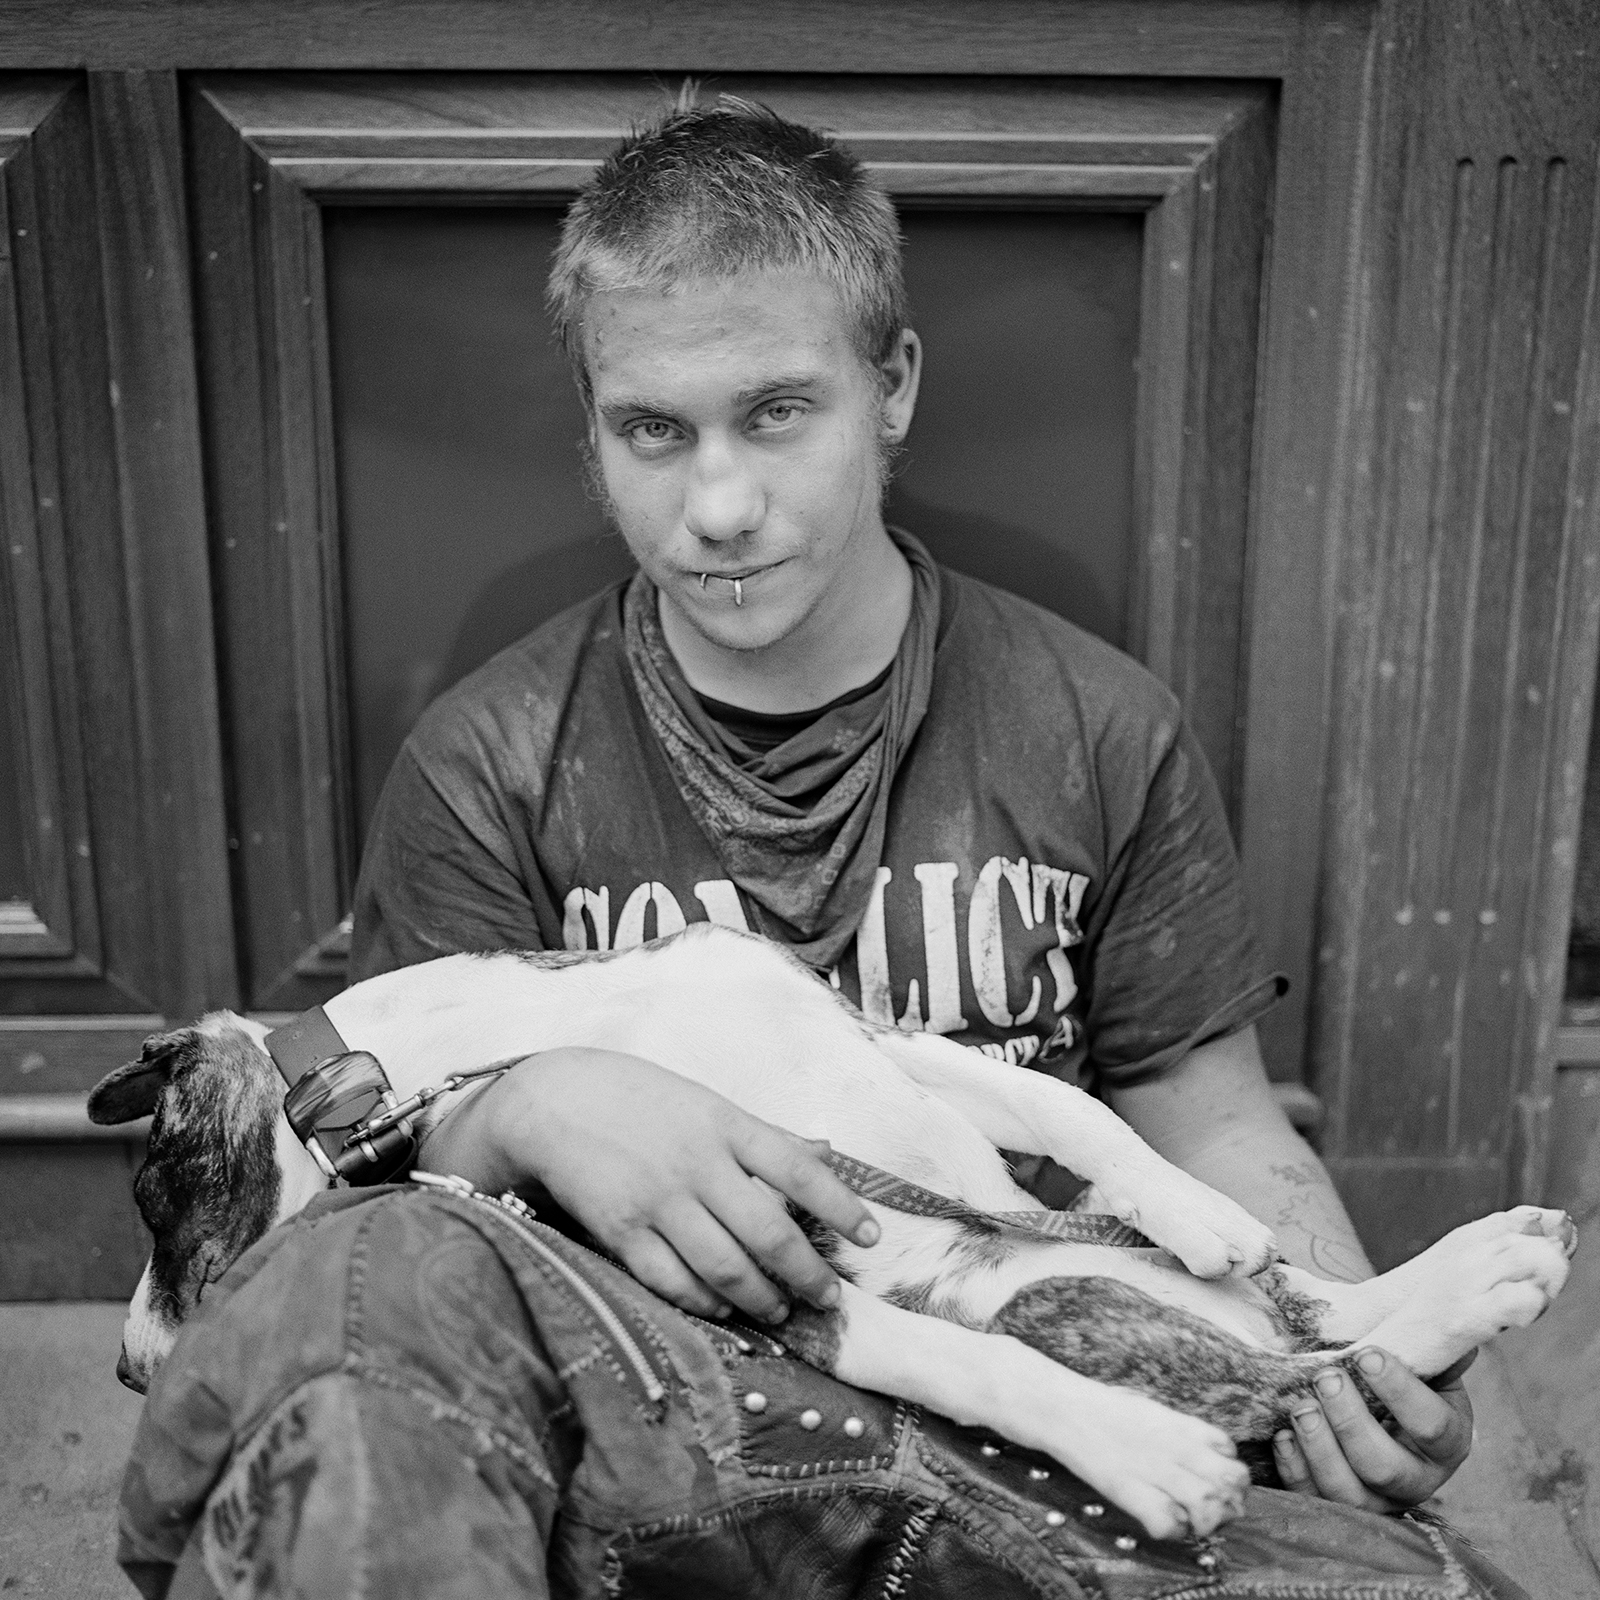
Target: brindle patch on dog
[[1299, 1317], [1110, 1331], [209, 1185]]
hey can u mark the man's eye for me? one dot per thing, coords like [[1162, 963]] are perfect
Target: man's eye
[[652, 431], [780, 414]]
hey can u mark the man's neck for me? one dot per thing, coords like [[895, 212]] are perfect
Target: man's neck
[[846, 640]]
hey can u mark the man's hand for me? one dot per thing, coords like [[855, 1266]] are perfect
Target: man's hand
[[661, 1171], [1215, 1116], [1338, 1450]]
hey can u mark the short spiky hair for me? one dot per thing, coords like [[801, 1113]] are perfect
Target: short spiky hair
[[719, 190]]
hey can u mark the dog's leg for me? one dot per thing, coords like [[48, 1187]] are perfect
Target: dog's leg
[[1174, 1473], [1030, 1112], [1498, 1272]]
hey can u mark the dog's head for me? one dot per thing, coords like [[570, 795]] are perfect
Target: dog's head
[[223, 1165]]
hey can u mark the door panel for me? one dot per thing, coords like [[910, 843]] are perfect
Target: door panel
[[114, 908], [463, 515]]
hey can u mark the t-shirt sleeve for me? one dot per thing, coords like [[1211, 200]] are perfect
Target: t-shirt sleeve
[[439, 873], [1175, 961]]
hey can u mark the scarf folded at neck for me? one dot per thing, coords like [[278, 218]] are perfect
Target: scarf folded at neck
[[801, 828]]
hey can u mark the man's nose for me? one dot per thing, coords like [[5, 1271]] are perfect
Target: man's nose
[[722, 498]]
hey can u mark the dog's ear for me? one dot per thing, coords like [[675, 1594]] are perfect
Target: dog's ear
[[133, 1090]]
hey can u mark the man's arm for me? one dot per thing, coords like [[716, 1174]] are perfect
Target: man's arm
[[1216, 1117], [660, 1171]]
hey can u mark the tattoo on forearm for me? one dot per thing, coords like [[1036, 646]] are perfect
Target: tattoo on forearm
[[1335, 1260], [1332, 1258], [1295, 1173]]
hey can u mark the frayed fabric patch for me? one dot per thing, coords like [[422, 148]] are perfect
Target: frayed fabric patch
[[287, 1502]]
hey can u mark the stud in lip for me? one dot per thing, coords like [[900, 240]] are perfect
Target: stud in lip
[[735, 581]]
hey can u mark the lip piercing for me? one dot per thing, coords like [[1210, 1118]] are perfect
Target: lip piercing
[[738, 587]]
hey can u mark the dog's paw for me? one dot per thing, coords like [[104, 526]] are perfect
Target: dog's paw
[[1177, 1475], [1552, 1224], [1210, 1234], [1498, 1272]]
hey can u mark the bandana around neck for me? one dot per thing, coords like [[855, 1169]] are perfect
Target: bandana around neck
[[801, 828]]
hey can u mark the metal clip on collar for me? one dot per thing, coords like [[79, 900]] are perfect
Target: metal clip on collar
[[333, 1093], [331, 1110], [340, 1103]]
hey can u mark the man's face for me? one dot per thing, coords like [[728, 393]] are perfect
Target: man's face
[[738, 437]]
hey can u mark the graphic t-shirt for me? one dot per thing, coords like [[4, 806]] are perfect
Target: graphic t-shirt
[[1057, 884]]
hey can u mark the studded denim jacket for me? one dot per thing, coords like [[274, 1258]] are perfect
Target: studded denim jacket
[[406, 1395]]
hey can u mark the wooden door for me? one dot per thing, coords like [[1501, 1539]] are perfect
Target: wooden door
[[1345, 496], [114, 895]]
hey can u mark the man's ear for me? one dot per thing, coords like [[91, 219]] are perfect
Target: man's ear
[[901, 376], [133, 1090]]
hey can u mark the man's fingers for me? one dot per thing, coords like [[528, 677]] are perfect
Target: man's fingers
[[758, 1220], [1437, 1422], [1340, 1451], [659, 1267], [715, 1254], [800, 1174], [1293, 1472], [1376, 1459], [1329, 1472]]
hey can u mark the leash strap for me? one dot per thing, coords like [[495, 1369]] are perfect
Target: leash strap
[[1073, 1227]]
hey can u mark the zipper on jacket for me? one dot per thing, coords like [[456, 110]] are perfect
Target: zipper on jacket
[[655, 1391]]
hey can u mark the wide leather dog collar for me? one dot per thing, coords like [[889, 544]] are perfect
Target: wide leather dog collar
[[333, 1092], [305, 1042]]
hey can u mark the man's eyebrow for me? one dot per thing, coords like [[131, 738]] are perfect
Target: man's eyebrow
[[789, 380], [622, 404], [638, 404]]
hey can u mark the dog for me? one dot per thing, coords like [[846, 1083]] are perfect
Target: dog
[[1138, 1369]]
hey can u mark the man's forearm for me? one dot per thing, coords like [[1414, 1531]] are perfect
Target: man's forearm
[[1276, 1176], [469, 1140], [1216, 1117]]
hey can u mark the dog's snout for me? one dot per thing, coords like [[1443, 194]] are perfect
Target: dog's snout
[[126, 1374]]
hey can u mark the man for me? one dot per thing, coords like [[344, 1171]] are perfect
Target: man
[[770, 730], [970, 815]]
